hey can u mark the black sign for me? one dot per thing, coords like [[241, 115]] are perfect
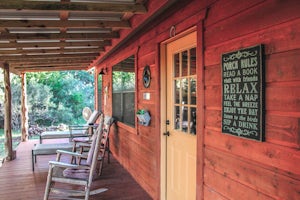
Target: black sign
[[242, 93]]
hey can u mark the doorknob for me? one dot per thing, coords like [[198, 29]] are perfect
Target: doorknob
[[167, 133]]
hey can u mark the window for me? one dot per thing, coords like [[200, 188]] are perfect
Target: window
[[185, 82], [99, 92], [123, 98]]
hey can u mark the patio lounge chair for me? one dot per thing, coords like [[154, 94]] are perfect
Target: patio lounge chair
[[76, 174], [74, 130]]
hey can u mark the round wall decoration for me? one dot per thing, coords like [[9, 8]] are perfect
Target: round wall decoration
[[146, 76]]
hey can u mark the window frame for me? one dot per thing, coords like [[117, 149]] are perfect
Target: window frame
[[122, 125], [99, 92]]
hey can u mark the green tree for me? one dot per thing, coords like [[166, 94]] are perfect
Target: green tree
[[71, 92], [1, 99], [52, 97]]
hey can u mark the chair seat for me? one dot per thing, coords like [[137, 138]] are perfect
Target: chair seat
[[62, 134], [82, 174], [48, 149]]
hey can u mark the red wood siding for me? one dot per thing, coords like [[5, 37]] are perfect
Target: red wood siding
[[236, 168], [232, 167], [138, 150]]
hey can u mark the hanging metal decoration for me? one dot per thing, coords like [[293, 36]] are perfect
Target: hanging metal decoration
[[146, 76]]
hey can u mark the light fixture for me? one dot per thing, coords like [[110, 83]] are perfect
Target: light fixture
[[91, 70], [103, 71]]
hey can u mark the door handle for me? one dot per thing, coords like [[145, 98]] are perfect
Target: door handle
[[167, 133]]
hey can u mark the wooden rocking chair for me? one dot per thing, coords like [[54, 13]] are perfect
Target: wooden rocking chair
[[76, 174]]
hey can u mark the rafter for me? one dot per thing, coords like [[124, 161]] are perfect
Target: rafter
[[48, 68], [39, 34], [41, 57], [49, 61], [50, 64], [40, 51], [55, 44], [117, 7], [60, 36], [66, 23]]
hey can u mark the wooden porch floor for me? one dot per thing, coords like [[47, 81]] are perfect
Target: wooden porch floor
[[18, 182]]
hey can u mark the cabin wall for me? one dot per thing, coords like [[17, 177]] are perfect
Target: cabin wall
[[233, 168], [138, 149], [236, 168]]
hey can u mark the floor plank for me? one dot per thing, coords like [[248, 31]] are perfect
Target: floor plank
[[19, 182]]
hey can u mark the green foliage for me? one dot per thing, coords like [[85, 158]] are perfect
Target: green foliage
[[123, 81], [16, 102], [1, 99], [52, 97], [70, 92]]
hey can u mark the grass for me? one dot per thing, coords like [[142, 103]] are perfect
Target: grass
[[15, 135]]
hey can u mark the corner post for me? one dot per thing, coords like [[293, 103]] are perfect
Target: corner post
[[7, 110]]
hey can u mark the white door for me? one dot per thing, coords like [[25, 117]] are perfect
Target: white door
[[181, 116]]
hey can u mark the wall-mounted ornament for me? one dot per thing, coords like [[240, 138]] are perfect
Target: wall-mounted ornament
[[143, 117], [146, 76]]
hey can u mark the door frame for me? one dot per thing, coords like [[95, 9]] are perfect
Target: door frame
[[163, 115]]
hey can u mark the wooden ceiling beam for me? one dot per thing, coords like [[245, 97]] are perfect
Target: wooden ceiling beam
[[41, 57], [49, 61], [41, 51], [59, 36], [117, 7], [49, 64], [55, 44], [61, 24], [44, 35], [48, 68]]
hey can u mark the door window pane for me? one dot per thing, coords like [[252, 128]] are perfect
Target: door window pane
[[184, 63], [184, 91], [176, 65], [193, 61], [177, 91], [177, 117], [193, 121], [184, 117], [193, 91]]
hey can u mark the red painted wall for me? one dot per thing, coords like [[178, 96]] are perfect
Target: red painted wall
[[231, 167], [242, 169]]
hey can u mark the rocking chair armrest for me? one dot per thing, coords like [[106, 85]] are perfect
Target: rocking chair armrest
[[67, 165], [68, 153]]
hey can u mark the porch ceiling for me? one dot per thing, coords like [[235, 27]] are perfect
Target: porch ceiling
[[49, 35]]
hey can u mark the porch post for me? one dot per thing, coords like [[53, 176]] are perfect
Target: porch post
[[24, 110], [7, 111], [96, 75]]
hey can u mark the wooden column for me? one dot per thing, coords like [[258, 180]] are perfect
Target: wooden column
[[96, 106], [24, 110], [7, 116]]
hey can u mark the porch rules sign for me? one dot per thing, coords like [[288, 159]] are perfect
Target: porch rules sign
[[242, 93]]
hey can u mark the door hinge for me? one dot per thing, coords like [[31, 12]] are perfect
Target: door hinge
[[167, 122]]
